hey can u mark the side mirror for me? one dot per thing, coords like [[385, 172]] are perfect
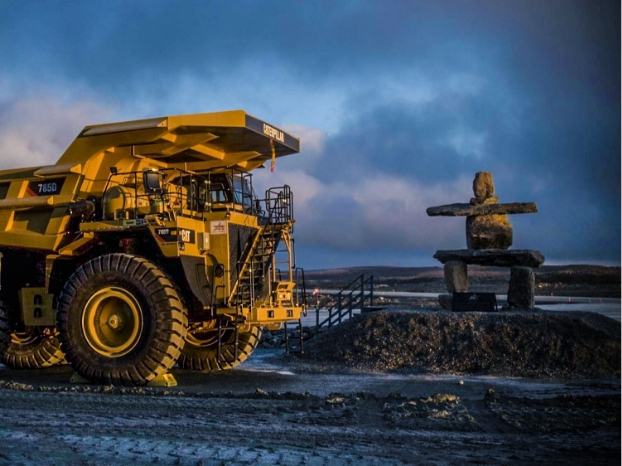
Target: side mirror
[[151, 182]]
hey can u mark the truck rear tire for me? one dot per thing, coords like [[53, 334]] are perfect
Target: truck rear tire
[[35, 349], [5, 329], [121, 321], [201, 351]]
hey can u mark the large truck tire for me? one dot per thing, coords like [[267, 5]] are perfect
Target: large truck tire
[[201, 350], [35, 349], [5, 329], [121, 321]]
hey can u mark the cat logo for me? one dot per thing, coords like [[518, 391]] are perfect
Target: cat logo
[[186, 236]]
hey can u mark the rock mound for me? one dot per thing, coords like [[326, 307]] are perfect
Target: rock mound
[[520, 344]]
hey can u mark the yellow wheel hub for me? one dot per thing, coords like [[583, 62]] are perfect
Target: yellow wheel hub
[[112, 322]]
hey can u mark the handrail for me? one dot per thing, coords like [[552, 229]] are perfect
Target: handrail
[[301, 292], [279, 208], [328, 298], [193, 202], [344, 301]]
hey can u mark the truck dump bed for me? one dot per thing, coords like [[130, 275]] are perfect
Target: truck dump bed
[[197, 142], [35, 202]]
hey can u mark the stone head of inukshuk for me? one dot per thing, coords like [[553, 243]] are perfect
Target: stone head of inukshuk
[[487, 231]]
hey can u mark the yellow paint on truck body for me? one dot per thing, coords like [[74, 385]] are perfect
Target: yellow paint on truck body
[[105, 167]]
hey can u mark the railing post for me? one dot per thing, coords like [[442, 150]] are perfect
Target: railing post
[[362, 291], [302, 348], [350, 306], [371, 292], [339, 308], [317, 318]]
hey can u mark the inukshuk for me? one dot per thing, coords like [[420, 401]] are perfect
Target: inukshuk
[[489, 235]]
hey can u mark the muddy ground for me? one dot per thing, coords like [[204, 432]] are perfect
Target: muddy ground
[[268, 411], [41, 427]]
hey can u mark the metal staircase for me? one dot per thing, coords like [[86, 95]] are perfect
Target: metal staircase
[[256, 269], [340, 306], [253, 271], [295, 343]]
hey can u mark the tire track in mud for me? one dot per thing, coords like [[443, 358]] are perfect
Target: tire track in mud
[[64, 427]]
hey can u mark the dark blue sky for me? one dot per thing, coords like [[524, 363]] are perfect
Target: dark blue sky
[[398, 104]]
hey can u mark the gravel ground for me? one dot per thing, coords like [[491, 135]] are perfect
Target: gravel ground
[[110, 426], [518, 344]]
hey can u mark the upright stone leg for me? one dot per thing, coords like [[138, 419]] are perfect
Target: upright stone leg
[[456, 278], [522, 290]]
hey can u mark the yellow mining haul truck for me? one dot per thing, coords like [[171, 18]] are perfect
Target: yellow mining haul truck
[[145, 246]]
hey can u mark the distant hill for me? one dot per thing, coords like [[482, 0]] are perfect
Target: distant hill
[[412, 272], [376, 271], [571, 280]]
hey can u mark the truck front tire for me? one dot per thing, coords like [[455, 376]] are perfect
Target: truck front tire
[[121, 321]]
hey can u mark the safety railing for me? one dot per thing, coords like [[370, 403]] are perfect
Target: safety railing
[[342, 305], [279, 203], [187, 194], [253, 269]]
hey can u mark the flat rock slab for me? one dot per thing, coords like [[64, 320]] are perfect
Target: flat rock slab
[[494, 257], [465, 210]]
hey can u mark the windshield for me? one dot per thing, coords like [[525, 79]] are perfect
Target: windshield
[[242, 192], [218, 191]]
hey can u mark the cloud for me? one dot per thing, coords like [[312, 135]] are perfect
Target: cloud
[[370, 183], [397, 105], [315, 139], [381, 211], [36, 130], [296, 170]]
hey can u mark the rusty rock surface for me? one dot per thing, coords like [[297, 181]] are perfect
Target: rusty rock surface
[[483, 185], [488, 232]]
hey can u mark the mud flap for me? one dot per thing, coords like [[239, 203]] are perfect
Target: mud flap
[[196, 275]]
